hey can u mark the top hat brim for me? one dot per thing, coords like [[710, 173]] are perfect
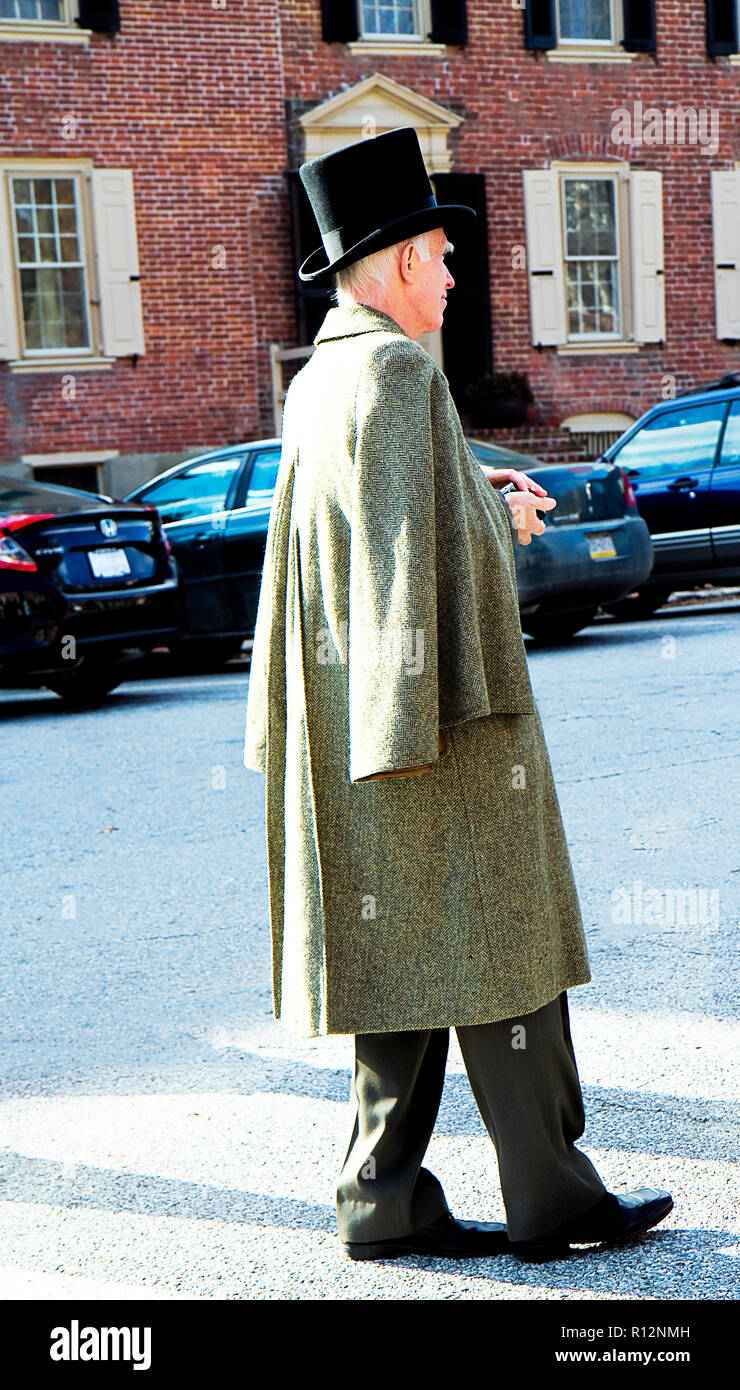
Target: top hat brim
[[317, 269]]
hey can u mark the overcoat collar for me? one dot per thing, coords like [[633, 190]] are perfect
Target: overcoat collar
[[346, 321]]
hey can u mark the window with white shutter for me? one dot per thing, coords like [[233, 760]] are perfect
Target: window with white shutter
[[545, 256], [726, 225], [118, 262], [594, 257], [50, 263], [646, 226], [69, 270]]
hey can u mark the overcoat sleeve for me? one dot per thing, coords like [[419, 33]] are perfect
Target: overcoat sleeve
[[392, 627]]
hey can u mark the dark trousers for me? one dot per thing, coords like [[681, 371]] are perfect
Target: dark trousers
[[529, 1097]]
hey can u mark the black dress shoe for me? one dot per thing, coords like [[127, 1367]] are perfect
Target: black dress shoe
[[445, 1238], [611, 1220]]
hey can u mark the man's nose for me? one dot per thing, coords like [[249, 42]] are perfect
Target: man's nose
[[449, 282]]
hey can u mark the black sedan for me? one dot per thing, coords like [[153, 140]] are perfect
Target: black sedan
[[683, 460], [595, 547], [216, 507], [82, 579]]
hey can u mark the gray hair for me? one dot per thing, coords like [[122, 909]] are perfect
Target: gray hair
[[355, 280]]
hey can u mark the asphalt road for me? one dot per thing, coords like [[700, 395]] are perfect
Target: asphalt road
[[162, 1137]]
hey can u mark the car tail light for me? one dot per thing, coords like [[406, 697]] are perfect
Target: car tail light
[[629, 496], [14, 520], [13, 556], [159, 528]]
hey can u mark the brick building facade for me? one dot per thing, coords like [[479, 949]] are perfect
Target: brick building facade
[[599, 140]]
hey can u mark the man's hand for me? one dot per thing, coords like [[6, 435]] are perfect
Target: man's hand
[[525, 502]]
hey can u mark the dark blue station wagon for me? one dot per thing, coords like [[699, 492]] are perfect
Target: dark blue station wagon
[[682, 458]]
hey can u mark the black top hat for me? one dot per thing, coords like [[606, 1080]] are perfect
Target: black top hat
[[370, 195]]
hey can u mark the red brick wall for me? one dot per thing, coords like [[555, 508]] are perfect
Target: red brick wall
[[194, 100], [191, 99], [522, 111]]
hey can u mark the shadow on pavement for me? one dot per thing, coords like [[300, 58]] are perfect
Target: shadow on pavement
[[663, 1264]]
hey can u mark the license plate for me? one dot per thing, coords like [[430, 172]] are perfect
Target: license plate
[[601, 548], [108, 564]]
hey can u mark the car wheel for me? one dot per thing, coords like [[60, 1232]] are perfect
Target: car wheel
[[88, 682], [550, 628], [205, 656], [642, 604]]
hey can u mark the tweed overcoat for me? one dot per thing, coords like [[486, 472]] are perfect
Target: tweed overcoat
[[388, 638]]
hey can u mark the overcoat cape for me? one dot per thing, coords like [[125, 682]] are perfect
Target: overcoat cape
[[388, 639]]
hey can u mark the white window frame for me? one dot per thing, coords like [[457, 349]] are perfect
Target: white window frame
[[63, 30], [592, 50], [107, 218], [423, 21], [641, 263], [615, 22], [381, 45], [619, 258], [83, 235]]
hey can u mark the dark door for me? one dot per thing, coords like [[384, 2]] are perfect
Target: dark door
[[725, 494], [193, 504], [245, 536], [669, 463]]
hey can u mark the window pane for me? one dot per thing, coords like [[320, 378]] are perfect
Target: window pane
[[74, 310], [26, 249], [389, 17], [593, 297], [24, 221], [67, 220], [32, 9], [47, 233], [590, 223], [197, 490], [51, 274], [54, 308], [65, 191], [45, 221], [675, 442], [262, 480], [68, 248], [731, 442], [585, 19], [41, 191]]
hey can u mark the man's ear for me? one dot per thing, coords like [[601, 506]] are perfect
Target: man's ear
[[407, 265]]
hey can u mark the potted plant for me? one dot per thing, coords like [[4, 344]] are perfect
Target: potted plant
[[498, 399]]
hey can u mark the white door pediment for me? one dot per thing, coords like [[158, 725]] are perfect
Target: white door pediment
[[372, 107]]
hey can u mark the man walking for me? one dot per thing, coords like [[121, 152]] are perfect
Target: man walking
[[419, 877]]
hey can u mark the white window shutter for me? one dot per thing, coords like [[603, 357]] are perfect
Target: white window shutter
[[9, 336], [646, 231], [726, 221], [545, 256], [118, 262]]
